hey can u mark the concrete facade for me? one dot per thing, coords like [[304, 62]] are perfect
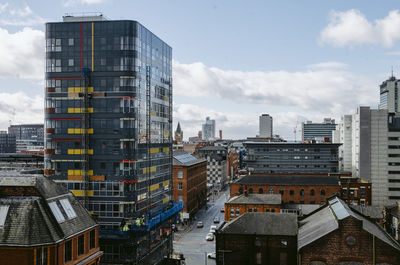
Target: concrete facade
[[266, 126]]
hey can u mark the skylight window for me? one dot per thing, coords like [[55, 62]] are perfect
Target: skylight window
[[56, 212], [68, 208], [3, 214]]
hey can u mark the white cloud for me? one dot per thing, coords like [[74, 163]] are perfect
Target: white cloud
[[16, 16], [326, 91], [328, 65], [82, 2], [351, 28], [22, 53], [19, 108]]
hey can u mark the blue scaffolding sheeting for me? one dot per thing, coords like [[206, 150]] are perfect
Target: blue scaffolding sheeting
[[159, 218]]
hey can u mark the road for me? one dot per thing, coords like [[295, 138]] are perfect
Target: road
[[192, 243]]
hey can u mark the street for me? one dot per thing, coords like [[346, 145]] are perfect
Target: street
[[192, 243]]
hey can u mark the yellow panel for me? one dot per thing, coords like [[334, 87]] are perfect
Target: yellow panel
[[80, 151], [91, 212], [165, 183], [166, 133], [82, 192], [80, 110], [154, 187], [144, 170], [154, 150], [79, 89], [165, 149], [153, 169], [153, 113], [165, 200], [79, 131], [165, 99], [78, 172]]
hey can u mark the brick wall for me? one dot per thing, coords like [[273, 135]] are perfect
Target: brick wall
[[333, 249], [307, 198], [244, 208]]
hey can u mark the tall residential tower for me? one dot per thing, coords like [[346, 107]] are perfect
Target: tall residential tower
[[108, 118]]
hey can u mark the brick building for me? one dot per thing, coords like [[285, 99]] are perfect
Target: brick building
[[233, 163], [244, 203], [336, 234], [43, 223], [355, 191], [258, 238], [293, 189], [189, 181]]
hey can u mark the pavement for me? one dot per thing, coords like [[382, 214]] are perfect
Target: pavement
[[191, 241]]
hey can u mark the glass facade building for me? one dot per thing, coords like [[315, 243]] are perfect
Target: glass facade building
[[108, 118]]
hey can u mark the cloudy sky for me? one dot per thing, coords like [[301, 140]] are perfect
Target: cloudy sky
[[233, 60]]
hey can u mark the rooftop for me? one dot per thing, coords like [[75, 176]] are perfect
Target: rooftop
[[182, 158], [289, 143], [36, 211], [289, 180], [326, 220], [256, 199], [263, 224], [213, 148]]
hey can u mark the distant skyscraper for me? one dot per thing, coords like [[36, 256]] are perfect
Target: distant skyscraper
[[266, 126], [208, 129], [178, 134], [389, 95], [313, 131], [7, 142]]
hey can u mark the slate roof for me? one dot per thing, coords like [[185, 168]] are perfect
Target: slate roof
[[326, 220], [29, 220], [256, 199], [182, 158], [289, 180], [374, 212], [283, 224]]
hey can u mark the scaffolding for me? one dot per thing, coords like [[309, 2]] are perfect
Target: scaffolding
[[86, 96]]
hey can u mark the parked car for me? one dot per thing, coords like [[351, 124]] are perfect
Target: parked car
[[222, 209], [216, 220], [210, 237], [200, 224], [212, 255]]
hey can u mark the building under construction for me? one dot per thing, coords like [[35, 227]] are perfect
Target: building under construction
[[108, 118]]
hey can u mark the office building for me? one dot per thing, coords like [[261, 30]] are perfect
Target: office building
[[318, 131], [375, 140], [208, 130], [7, 142], [265, 157], [389, 95], [29, 137], [108, 125], [343, 135], [217, 165], [266, 126], [43, 223]]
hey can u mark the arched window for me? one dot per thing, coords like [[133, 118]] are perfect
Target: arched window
[[273, 210], [271, 191], [260, 191], [281, 191], [291, 192], [322, 192], [240, 190], [312, 192], [251, 190], [301, 192]]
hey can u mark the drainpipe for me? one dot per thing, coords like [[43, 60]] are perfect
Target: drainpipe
[[373, 250]]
